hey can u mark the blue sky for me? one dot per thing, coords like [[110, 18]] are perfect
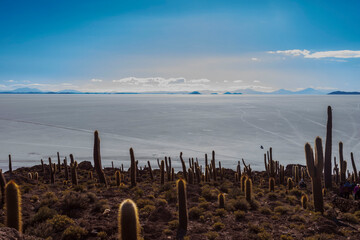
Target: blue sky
[[179, 45]]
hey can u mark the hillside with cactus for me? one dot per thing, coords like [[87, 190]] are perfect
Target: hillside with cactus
[[82, 200]]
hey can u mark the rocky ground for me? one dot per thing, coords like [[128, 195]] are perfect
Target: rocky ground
[[89, 210]]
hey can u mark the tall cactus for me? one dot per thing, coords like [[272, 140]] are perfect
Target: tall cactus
[[52, 174], [150, 171], [248, 189], [221, 199], [183, 166], [162, 173], [328, 149], [315, 169], [282, 174], [128, 221], [66, 170], [242, 182], [354, 167], [10, 164], [191, 176], [59, 163], [2, 186], [271, 184], [213, 165], [336, 171], [42, 166], [343, 164], [97, 159], [182, 202], [74, 177], [132, 168], [118, 178], [13, 206], [304, 201]]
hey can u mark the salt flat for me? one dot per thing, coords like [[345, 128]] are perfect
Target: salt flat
[[37, 126]]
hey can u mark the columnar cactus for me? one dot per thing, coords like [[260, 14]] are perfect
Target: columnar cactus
[[97, 159], [112, 164], [207, 177], [304, 201], [2, 187], [172, 174], [132, 168], [118, 178], [183, 166], [315, 169], [296, 172], [150, 171], [248, 189], [52, 174], [30, 176], [182, 202], [74, 177], [42, 166], [72, 156], [354, 168], [271, 184], [290, 183], [336, 171], [66, 170], [242, 180], [128, 221], [170, 169], [10, 164], [343, 164], [221, 199], [13, 206], [191, 176], [328, 149], [213, 165], [162, 173], [36, 176], [236, 178], [282, 174], [59, 163]]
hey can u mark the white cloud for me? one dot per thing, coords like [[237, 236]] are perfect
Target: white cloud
[[254, 59], [225, 81], [10, 81], [256, 81], [238, 81], [159, 81], [96, 80], [323, 54]]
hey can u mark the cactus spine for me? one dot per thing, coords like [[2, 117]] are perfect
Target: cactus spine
[[315, 169], [162, 173], [182, 202], [248, 189], [328, 149], [221, 199], [97, 159], [128, 221], [13, 206], [271, 184]]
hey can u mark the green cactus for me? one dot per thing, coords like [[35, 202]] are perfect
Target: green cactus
[[304, 201], [2, 187], [13, 206], [315, 168], [128, 221], [118, 178], [248, 189], [97, 159], [221, 199], [271, 184], [182, 203], [132, 168], [162, 173]]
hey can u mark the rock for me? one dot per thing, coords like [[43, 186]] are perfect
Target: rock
[[85, 165]]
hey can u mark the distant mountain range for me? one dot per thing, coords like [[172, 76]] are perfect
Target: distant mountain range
[[307, 91]]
